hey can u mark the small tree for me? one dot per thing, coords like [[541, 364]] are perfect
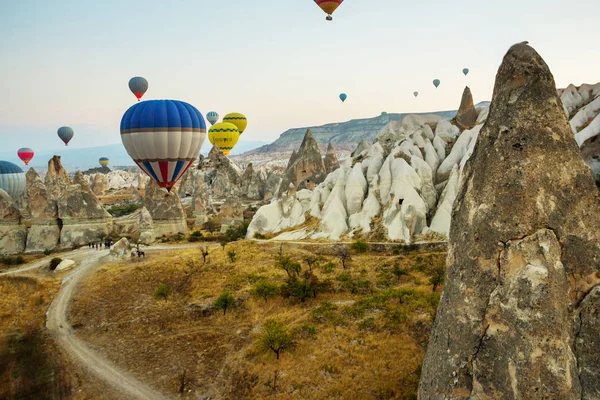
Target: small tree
[[163, 291], [223, 243], [360, 246], [290, 266], [276, 337], [438, 277], [212, 225], [204, 251], [264, 290], [224, 302], [343, 253], [231, 254], [313, 262]]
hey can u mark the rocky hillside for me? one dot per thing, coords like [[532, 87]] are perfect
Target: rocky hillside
[[344, 135]]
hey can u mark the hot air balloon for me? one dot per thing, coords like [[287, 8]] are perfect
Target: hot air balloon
[[329, 6], [343, 97], [237, 119], [212, 117], [25, 154], [138, 86], [12, 179], [104, 161], [163, 137], [65, 133], [466, 71], [224, 135], [436, 83], [416, 94], [383, 113]]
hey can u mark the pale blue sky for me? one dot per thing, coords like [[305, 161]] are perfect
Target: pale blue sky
[[279, 62]]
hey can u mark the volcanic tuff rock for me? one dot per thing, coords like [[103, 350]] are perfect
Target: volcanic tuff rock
[[44, 232], [307, 169], [165, 209], [466, 117], [56, 178], [518, 316], [331, 160], [232, 213], [83, 218], [138, 227], [99, 184], [12, 233]]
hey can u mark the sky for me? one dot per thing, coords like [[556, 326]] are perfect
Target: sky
[[68, 62]]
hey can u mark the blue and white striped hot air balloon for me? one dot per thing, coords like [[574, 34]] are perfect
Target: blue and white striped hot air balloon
[[212, 117], [12, 179], [163, 137]]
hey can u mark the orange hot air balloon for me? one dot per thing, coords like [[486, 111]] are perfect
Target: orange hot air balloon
[[329, 6]]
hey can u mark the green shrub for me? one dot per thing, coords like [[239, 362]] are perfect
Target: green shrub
[[195, 236], [232, 255], [291, 267], [276, 337], [329, 267], [264, 290], [367, 324], [47, 252], [224, 302], [360, 246], [259, 236], [125, 208], [12, 260], [306, 331], [163, 291], [54, 263]]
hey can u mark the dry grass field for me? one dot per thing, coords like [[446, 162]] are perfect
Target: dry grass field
[[362, 335]]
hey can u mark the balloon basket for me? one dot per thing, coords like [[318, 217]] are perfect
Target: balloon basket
[[329, 18]]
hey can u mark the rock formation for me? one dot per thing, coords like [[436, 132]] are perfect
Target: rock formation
[[232, 213], [138, 227], [12, 233], [281, 214], [518, 317], [466, 117], [121, 248], [82, 216], [253, 183], [99, 184], [166, 210], [307, 169], [56, 178], [226, 179], [331, 160], [362, 146], [44, 233]]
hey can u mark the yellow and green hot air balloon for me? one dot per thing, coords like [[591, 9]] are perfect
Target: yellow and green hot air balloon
[[238, 120], [224, 135], [104, 161]]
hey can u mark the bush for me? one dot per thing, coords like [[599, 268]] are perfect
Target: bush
[[231, 254], [264, 290], [293, 268], [306, 330], [360, 246], [301, 289], [276, 337], [259, 236], [10, 260], [212, 225], [224, 302], [195, 236], [329, 267], [47, 252], [163, 291], [125, 208], [54, 263], [235, 233]]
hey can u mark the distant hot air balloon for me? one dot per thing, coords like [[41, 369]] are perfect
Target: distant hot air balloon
[[416, 94], [25, 154], [436, 82], [224, 135], [12, 179], [65, 133], [343, 97], [329, 6], [138, 86], [383, 113], [466, 71], [212, 117], [163, 137], [237, 119], [104, 161]]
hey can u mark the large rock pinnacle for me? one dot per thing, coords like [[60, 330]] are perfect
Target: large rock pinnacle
[[517, 318], [466, 117]]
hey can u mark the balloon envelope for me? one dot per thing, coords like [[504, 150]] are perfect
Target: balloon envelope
[[237, 119], [12, 179], [329, 6], [343, 97], [212, 117], [163, 137], [224, 135], [104, 161], [383, 113], [436, 82], [415, 94], [25, 154], [138, 86], [65, 133], [466, 71]]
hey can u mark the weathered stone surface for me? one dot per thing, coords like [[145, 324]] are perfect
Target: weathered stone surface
[[253, 183], [12, 233], [166, 210], [331, 160], [138, 227], [272, 185], [524, 254], [307, 169], [56, 178], [44, 232], [226, 179], [362, 146], [232, 213], [65, 264], [466, 117], [121, 249], [99, 184]]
